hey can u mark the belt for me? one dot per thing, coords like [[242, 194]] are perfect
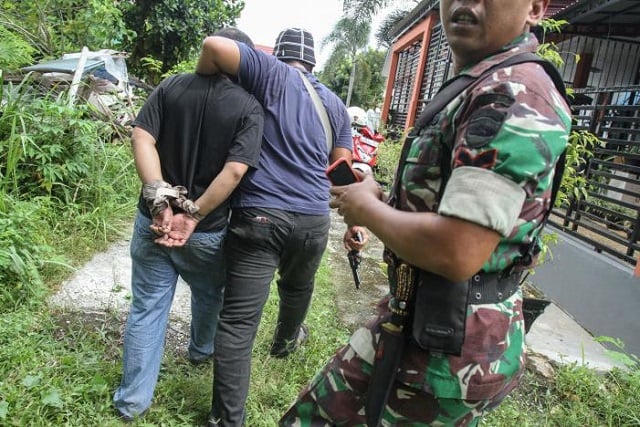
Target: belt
[[491, 288], [486, 288]]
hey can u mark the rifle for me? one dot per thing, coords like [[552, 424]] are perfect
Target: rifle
[[354, 261]]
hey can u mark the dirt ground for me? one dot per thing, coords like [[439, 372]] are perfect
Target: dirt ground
[[356, 306]]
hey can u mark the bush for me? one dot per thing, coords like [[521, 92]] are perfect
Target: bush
[[47, 145], [23, 250], [388, 158], [63, 184]]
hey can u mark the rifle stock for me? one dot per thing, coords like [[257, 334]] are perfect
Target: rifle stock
[[385, 367], [393, 338]]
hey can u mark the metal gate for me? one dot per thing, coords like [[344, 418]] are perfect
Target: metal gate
[[406, 72], [437, 66], [608, 218]]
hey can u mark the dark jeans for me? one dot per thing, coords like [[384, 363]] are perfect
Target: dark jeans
[[259, 242]]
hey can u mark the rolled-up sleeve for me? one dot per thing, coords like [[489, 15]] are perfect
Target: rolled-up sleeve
[[483, 197]]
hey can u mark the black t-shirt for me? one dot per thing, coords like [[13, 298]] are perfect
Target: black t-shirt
[[200, 123]]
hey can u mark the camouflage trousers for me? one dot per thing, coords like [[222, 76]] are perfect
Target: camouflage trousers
[[336, 397]]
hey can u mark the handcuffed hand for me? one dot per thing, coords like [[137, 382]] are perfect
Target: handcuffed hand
[[182, 227], [158, 194], [161, 222], [174, 230]]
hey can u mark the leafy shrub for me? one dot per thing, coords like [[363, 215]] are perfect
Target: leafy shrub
[[46, 145], [388, 158], [63, 187], [23, 251], [14, 50]]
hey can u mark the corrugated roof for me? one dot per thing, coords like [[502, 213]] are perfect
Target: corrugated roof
[[603, 18], [65, 66], [599, 12], [555, 6]]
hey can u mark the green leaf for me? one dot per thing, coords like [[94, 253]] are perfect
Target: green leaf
[[52, 398], [31, 381], [4, 410]]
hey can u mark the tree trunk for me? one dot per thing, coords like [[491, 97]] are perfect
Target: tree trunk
[[352, 77]]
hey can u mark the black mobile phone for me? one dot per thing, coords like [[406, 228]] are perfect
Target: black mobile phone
[[340, 173]]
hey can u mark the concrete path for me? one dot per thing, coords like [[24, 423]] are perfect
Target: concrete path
[[600, 292], [103, 284]]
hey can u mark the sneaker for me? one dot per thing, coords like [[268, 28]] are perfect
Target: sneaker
[[280, 350]]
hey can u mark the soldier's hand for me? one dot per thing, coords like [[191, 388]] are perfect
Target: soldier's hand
[[353, 200]]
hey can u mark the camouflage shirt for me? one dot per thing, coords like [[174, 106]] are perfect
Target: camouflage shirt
[[506, 131]]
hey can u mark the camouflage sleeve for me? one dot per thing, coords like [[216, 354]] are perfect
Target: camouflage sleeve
[[509, 136]]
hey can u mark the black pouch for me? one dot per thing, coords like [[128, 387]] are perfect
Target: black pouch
[[440, 313], [532, 308]]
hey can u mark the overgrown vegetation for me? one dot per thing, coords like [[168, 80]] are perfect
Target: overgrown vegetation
[[63, 186], [167, 31], [67, 190], [171, 31]]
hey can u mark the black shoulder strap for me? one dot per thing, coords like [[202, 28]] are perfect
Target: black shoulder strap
[[456, 85], [444, 96]]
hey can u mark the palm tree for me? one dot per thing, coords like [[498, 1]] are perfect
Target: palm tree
[[387, 24], [348, 37], [370, 8], [363, 8]]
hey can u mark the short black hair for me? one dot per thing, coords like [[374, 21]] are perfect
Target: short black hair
[[234, 34]]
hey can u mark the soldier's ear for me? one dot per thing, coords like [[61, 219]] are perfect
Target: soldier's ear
[[536, 11]]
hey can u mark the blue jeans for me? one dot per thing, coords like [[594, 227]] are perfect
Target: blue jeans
[[154, 276], [259, 242]]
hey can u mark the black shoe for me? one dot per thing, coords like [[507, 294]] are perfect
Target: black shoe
[[280, 350], [199, 362], [127, 418]]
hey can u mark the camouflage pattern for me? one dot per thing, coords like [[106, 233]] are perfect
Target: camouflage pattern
[[508, 129], [512, 124]]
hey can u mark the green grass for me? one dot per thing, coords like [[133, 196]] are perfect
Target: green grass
[[61, 368], [574, 397], [68, 193]]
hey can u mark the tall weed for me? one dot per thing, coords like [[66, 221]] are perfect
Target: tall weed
[[24, 248], [64, 187], [388, 158], [49, 145]]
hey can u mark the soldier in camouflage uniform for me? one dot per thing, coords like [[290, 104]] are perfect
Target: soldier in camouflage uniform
[[506, 131]]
